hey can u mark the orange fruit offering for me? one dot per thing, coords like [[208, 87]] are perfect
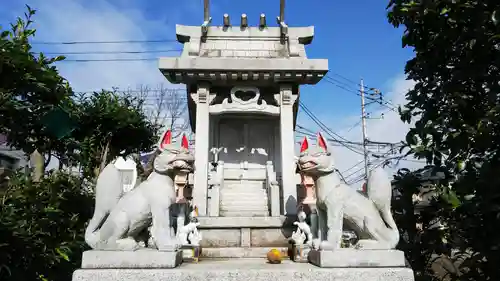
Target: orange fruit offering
[[274, 256]]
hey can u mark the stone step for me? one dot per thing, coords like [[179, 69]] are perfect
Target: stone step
[[259, 202], [239, 213], [243, 196], [243, 191], [244, 207], [235, 252], [241, 222]]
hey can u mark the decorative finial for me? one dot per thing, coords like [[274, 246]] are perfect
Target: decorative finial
[[282, 11], [281, 20], [244, 20], [206, 17], [227, 22], [206, 11], [262, 22]]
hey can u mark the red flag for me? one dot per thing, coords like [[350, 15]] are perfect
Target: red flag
[[322, 142], [305, 145]]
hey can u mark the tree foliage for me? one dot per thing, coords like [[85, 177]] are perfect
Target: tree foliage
[[30, 87], [421, 211], [455, 106], [110, 125], [41, 225], [40, 111]]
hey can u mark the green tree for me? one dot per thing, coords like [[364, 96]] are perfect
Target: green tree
[[42, 222], [109, 125], [42, 226], [455, 108], [41, 114], [421, 214], [30, 88]]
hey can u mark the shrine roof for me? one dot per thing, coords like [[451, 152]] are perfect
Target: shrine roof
[[224, 54], [248, 42]]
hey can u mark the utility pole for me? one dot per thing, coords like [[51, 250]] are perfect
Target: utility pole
[[363, 128]]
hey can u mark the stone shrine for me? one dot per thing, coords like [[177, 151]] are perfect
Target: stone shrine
[[238, 195], [243, 90]]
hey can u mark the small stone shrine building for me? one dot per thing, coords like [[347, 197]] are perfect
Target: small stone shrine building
[[243, 90]]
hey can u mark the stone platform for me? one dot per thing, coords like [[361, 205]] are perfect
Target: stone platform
[[145, 258], [243, 232], [235, 252], [350, 258], [245, 269]]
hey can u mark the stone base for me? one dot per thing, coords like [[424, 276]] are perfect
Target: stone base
[[299, 253], [234, 252], [349, 258], [245, 269], [245, 232], [144, 258]]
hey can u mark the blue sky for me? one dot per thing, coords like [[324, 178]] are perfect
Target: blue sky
[[353, 35]]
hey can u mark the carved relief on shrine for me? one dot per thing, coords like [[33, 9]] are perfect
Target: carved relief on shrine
[[245, 99]]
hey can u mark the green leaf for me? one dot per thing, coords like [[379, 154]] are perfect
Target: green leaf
[[62, 254], [444, 11]]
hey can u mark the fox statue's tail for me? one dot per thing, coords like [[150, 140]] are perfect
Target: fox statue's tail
[[380, 192], [108, 192]]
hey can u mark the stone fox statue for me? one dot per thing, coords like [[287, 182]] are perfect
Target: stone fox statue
[[369, 216], [119, 218]]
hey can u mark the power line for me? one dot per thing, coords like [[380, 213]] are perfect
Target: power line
[[109, 52], [385, 103], [109, 60], [363, 129], [169, 91], [101, 42], [313, 136], [379, 101], [324, 127]]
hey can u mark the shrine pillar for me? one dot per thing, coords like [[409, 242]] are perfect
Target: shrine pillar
[[202, 99], [289, 185]]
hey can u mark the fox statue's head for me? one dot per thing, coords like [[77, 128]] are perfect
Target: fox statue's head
[[315, 161], [173, 158]]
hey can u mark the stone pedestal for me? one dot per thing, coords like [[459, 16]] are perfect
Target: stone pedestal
[[300, 253], [349, 258], [145, 258], [246, 269]]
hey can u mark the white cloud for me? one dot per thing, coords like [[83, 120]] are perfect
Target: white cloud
[[388, 129], [98, 20], [74, 20]]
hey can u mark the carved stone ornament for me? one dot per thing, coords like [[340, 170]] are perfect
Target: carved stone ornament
[[203, 95], [244, 99], [285, 96], [246, 95]]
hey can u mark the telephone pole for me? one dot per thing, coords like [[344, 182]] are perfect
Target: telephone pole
[[363, 128]]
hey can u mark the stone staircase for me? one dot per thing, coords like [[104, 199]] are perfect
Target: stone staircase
[[243, 199]]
